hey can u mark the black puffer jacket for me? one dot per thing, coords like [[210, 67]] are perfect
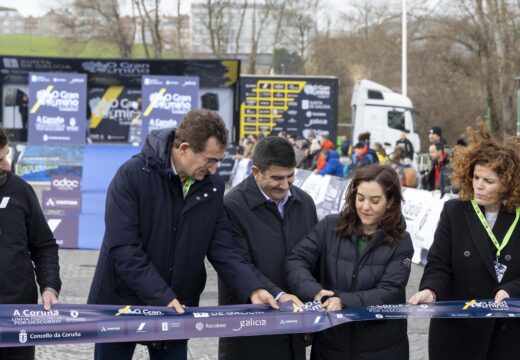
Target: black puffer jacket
[[378, 276]]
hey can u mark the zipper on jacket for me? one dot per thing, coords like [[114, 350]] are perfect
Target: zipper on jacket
[[353, 287]]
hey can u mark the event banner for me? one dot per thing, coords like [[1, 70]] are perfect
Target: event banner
[[61, 206], [41, 162], [166, 99], [57, 108], [111, 111], [297, 105], [24, 325]]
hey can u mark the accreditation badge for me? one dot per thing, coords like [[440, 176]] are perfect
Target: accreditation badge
[[500, 270]]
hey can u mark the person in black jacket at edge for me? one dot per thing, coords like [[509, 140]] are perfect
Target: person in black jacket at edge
[[27, 247], [475, 252], [268, 215], [358, 258], [164, 214]]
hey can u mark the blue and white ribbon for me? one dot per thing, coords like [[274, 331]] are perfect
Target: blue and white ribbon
[[24, 325]]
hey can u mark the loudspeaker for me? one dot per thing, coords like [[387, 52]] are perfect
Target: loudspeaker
[[210, 101]]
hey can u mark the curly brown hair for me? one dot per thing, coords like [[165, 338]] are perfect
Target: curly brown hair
[[502, 158], [390, 224]]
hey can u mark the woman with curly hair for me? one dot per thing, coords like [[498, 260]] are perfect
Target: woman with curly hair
[[476, 251], [360, 257]]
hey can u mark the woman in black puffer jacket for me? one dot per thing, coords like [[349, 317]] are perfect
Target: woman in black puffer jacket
[[358, 258]]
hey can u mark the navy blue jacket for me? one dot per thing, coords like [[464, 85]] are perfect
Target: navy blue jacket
[[155, 241]]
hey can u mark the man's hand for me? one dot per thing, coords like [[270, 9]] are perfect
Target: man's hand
[[424, 296], [49, 298], [323, 293], [293, 298], [177, 306], [262, 296], [333, 304], [501, 296]]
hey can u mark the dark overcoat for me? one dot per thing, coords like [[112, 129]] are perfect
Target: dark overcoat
[[378, 276], [149, 256], [460, 267], [265, 238]]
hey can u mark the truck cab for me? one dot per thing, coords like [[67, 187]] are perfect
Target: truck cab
[[384, 113]]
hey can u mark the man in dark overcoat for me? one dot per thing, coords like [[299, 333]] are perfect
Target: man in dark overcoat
[[164, 214], [268, 216]]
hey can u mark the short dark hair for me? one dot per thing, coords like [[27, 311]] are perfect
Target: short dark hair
[[4, 137], [198, 126], [359, 145], [388, 179], [273, 151]]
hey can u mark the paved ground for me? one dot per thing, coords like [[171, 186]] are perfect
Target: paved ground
[[77, 269]]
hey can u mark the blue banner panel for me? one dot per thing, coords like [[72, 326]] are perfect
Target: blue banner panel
[[25, 325], [41, 163], [57, 108], [166, 99]]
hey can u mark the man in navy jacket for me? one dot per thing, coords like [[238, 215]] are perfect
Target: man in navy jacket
[[164, 214]]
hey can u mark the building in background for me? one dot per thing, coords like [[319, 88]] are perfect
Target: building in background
[[242, 29], [11, 21]]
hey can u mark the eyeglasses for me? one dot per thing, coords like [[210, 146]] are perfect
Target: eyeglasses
[[210, 162]]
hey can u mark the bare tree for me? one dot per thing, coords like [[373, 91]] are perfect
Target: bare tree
[[217, 23], [178, 30], [151, 24], [99, 20], [259, 21]]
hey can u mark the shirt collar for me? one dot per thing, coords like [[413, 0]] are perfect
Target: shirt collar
[[281, 204]]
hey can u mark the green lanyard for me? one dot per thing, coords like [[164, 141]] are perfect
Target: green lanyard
[[186, 187], [484, 222]]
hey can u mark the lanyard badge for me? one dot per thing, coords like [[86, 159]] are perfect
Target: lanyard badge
[[500, 269]]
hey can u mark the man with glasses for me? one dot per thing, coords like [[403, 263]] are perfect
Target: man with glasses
[[164, 214], [27, 248]]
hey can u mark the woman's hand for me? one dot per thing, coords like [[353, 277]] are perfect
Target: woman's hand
[[333, 304], [424, 296], [501, 296], [323, 293]]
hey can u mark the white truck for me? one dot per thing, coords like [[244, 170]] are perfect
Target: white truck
[[384, 113]]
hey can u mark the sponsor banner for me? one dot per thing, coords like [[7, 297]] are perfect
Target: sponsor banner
[[40, 162], [64, 227], [57, 108], [213, 73], [27, 325], [297, 105], [421, 210], [63, 184], [59, 201], [166, 99], [112, 111]]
